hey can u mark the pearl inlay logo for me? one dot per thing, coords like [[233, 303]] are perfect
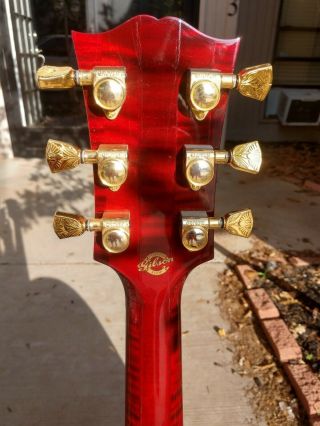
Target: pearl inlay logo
[[156, 263]]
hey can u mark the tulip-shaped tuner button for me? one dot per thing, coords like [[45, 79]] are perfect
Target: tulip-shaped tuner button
[[200, 161], [114, 227], [205, 85], [195, 226], [112, 160]]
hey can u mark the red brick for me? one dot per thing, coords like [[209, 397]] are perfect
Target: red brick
[[282, 341], [261, 303], [314, 186], [298, 261], [315, 420], [292, 179], [304, 260], [247, 275], [312, 260], [280, 259], [307, 387]]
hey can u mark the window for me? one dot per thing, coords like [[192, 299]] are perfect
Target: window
[[55, 19], [297, 53]]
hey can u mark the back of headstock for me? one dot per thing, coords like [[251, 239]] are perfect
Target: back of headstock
[[156, 94]]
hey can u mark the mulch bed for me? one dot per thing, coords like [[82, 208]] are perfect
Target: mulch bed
[[296, 293], [295, 290], [294, 162]]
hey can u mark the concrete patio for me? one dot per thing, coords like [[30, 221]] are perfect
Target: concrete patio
[[62, 316]]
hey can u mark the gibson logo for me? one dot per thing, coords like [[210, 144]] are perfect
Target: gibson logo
[[155, 263]]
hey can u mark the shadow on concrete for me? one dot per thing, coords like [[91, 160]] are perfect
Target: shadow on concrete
[[284, 213], [57, 365], [46, 192]]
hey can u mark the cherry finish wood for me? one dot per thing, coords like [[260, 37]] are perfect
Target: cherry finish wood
[[155, 123]]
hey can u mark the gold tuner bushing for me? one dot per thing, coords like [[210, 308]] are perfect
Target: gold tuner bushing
[[114, 227], [204, 88], [200, 160], [109, 89], [112, 160], [109, 84], [204, 91], [199, 165], [195, 226]]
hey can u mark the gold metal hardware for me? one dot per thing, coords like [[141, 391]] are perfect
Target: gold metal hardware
[[199, 165], [56, 78], [114, 226], [204, 91], [205, 86], [109, 84], [112, 160], [195, 226], [246, 157], [255, 82], [200, 161]]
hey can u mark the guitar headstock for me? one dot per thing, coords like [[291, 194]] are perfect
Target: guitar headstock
[[156, 94]]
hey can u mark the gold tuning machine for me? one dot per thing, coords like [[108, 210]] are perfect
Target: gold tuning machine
[[114, 226], [205, 86], [112, 160], [109, 84], [200, 161], [195, 226]]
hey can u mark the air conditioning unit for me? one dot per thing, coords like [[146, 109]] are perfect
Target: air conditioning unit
[[299, 107]]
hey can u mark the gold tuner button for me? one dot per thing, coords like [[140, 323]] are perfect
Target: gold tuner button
[[62, 156], [238, 223], [255, 82], [114, 227], [109, 84], [51, 77], [246, 157], [112, 160], [195, 226], [68, 225]]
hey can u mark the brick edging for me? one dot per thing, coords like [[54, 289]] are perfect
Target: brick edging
[[313, 186], [286, 349]]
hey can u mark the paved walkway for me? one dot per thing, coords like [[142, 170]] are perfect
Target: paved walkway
[[62, 316]]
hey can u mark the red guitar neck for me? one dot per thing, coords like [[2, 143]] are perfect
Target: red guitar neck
[[155, 123], [153, 360]]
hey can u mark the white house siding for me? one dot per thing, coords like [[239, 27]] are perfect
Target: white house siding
[[5, 140]]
